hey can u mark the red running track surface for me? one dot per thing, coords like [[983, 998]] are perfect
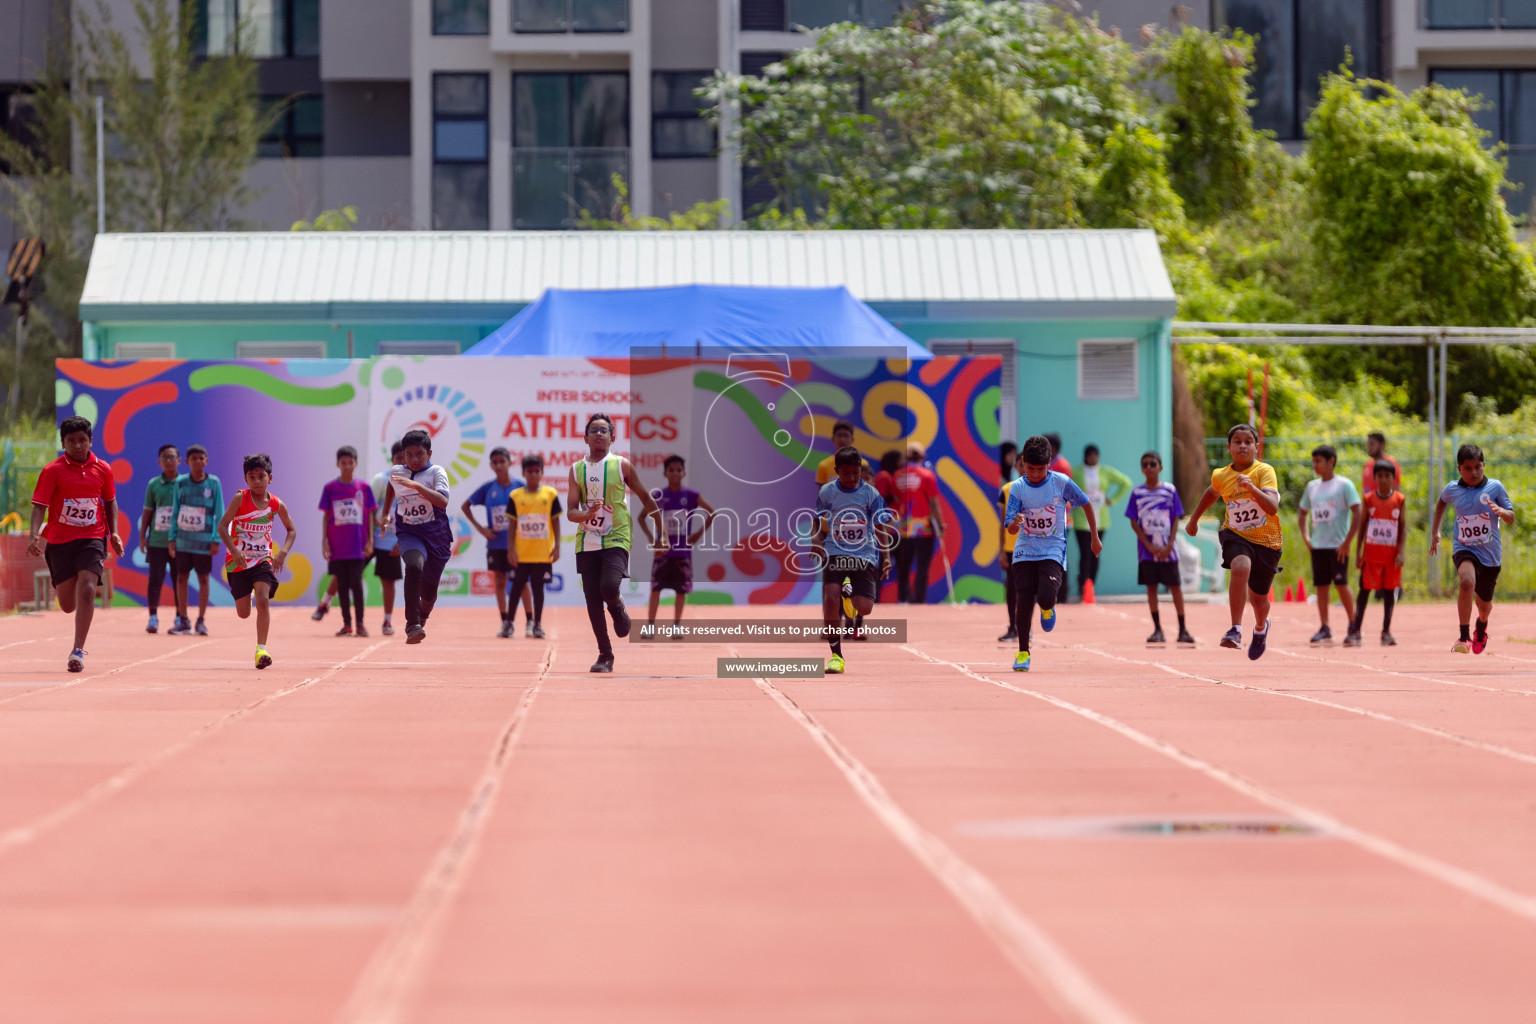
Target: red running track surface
[[480, 830]]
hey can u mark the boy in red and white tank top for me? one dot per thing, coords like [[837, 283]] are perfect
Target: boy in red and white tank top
[[1380, 551], [252, 564]]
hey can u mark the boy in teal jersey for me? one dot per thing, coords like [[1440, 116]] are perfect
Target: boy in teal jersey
[[1481, 506], [155, 530], [193, 537], [595, 503], [1328, 517], [852, 540]]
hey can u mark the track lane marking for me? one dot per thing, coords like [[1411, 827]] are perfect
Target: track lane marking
[[1024, 943], [21, 835], [1517, 903], [392, 976], [56, 687]]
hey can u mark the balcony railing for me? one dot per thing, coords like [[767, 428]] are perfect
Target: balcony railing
[[570, 15], [550, 187], [1479, 14]]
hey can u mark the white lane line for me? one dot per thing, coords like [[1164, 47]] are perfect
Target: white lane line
[[21, 835], [37, 640], [1031, 951], [392, 976], [1428, 730], [56, 687], [1517, 903]]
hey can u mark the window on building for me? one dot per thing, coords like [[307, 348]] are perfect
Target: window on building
[[144, 350], [1509, 97], [1479, 13], [782, 15], [1107, 370], [678, 128], [1298, 43], [18, 121], [271, 28], [570, 15], [299, 130], [461, 176], [461, 17], [570, 137]]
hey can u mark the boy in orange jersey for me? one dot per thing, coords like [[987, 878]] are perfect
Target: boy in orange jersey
[[252, 564], [1379, 551]]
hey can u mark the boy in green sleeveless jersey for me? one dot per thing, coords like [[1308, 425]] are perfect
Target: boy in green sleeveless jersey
[[595, 489]]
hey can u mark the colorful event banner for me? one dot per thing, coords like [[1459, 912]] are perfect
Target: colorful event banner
[[751, 432]]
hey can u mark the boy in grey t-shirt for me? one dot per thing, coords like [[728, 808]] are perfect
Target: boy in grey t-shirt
[[1329, 517]]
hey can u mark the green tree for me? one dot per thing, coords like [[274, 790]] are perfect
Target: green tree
[[342, 218], [1213, 148], [701, 216]]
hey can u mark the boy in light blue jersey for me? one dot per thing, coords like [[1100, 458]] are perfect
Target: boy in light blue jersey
[[853, 536], [1039, 508], [193, 537], [1328, 518], [494, 495], [1481, 506]]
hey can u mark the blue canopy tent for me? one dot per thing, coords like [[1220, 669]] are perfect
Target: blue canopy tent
[[827, 321]]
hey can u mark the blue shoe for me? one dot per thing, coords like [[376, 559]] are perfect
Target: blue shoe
[[1047, 619], [1233, 638], [1021, 661], [154, 624], [181, 628], [1257, 644]]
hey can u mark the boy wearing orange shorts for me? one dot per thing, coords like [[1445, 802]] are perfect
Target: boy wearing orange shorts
[[1379, 552]]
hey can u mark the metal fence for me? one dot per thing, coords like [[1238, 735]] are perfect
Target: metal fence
[[1511, 460], [20, 462]]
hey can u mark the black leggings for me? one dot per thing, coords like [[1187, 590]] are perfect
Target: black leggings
[[532, 574], [159, 560], [601, 574], [1087, 561], [919, 550], [349, 586], [1034, 582], [1010, 596]]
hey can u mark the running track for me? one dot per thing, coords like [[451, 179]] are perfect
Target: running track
[[481, 830]]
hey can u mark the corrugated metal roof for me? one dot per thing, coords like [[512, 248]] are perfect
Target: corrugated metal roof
[[309, 268]]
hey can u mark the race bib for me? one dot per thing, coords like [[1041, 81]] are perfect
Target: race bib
[[162, 518], [1039, 522], [677, 524], [1474, 530], [849, 531], [533, 526], [255, 542], [1096, 499], [347, 512], [1382, 532], [1322, 514], [1155, 523], [602, 523], [192, 518], [1245, 514], [414, 509], [499, 519], [79, 512]]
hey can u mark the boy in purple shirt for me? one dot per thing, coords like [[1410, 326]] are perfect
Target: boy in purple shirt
[[1154, 511], [673, 568], [347, 505]]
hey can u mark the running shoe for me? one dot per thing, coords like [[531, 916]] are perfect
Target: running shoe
[[362, 630], [1157, 637], [848, 608], [77, 660], [1021, 661], [1322, 636], [181, 628], [1257, 644], [388, 629], [536, 631], [621, 622], [604, 663], [1233, 638], [154, 624], [1352, 639], [263, 659], [1387, 639], [414, 633], [202, 628], [320, 611], [1185, 638], [506, 631], [530, 631], [836, 665], [345, 630], [1012, 634], [1479, 643], [1048, 619], [1461, 647]]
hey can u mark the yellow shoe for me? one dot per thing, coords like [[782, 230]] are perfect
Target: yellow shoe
[[263, 659], [848, 608], [836, 665], [1460, 647], [1021, 661]]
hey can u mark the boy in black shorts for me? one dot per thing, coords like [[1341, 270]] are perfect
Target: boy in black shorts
[[852, 540]]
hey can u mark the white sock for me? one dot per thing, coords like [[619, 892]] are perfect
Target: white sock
[[1259, 632]]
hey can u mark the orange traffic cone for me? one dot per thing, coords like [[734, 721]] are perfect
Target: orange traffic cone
[[1290, 595], [1301, 590], [1088, 592]]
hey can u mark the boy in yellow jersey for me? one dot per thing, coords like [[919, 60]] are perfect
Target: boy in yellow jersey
[[595, 489], [252, 564], [533, 528], [1250, 537]]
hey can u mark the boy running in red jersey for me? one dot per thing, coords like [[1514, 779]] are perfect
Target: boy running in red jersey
[[251, 565]]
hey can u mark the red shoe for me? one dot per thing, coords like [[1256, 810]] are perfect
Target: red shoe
[[1479, 643]]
